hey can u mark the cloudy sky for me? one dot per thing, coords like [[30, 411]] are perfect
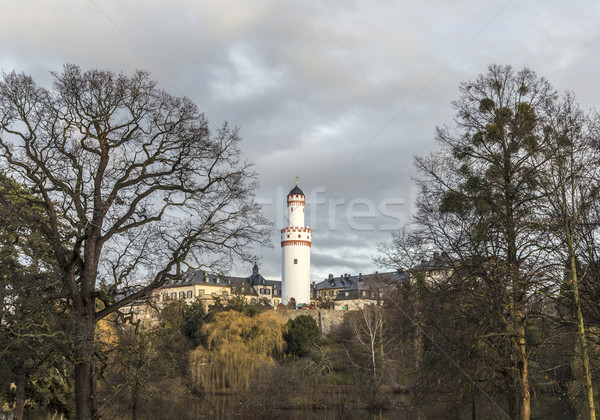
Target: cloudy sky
[[341, 93]]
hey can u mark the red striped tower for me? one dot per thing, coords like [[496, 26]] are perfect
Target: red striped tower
[[295, 249]]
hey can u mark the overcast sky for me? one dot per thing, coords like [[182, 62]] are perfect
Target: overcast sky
[[341, 93]]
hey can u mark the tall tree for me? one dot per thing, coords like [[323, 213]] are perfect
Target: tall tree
[[479, 195], [571, 182], [139, 182]]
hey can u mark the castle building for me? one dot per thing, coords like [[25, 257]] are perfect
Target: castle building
[[295, 251], [200, 285], [351, 292]]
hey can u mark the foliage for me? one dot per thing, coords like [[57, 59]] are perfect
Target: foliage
[[179, 316], [231, 303], [32, 325], [237, 346], [301, 335]]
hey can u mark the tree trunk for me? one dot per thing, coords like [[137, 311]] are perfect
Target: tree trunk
[[473, 403], [585, 360], [523, 368], [135, 391], [85, 374], [20, 382]]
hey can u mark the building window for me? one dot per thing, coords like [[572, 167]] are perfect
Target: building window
[[181, 295], [299, 236], [288, 236], [201, 292], [190, 294], [265, 292], [295, 260], [174, 295]]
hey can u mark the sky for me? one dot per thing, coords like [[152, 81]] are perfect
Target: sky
[[342, 94]]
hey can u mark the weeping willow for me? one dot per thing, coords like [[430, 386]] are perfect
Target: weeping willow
[[237, 347]]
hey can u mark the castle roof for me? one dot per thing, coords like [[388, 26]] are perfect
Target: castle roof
[[296, 191], [352, 287], [204, 278]]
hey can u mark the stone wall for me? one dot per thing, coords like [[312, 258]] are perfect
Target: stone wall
[[328, 320]]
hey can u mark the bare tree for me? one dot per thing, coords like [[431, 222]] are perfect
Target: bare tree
[[571, 182], [370, 349], [134, 186]]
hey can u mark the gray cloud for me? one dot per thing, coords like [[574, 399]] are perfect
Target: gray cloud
[[311, 83]]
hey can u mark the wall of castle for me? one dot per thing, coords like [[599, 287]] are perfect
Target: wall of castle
[[328, 320]]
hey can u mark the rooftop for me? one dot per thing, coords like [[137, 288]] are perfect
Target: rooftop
[[296, 191]]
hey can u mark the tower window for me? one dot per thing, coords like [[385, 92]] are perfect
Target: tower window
[[299, 236], [295, 260], [288, 236]]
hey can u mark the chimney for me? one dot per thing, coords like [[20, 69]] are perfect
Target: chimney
[[331, 277]]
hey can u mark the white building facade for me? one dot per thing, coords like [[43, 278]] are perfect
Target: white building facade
[[295, 248]]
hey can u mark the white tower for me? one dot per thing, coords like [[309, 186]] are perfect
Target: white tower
[[295, 248]]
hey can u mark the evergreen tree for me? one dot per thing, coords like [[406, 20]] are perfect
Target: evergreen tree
[[301, 334]]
